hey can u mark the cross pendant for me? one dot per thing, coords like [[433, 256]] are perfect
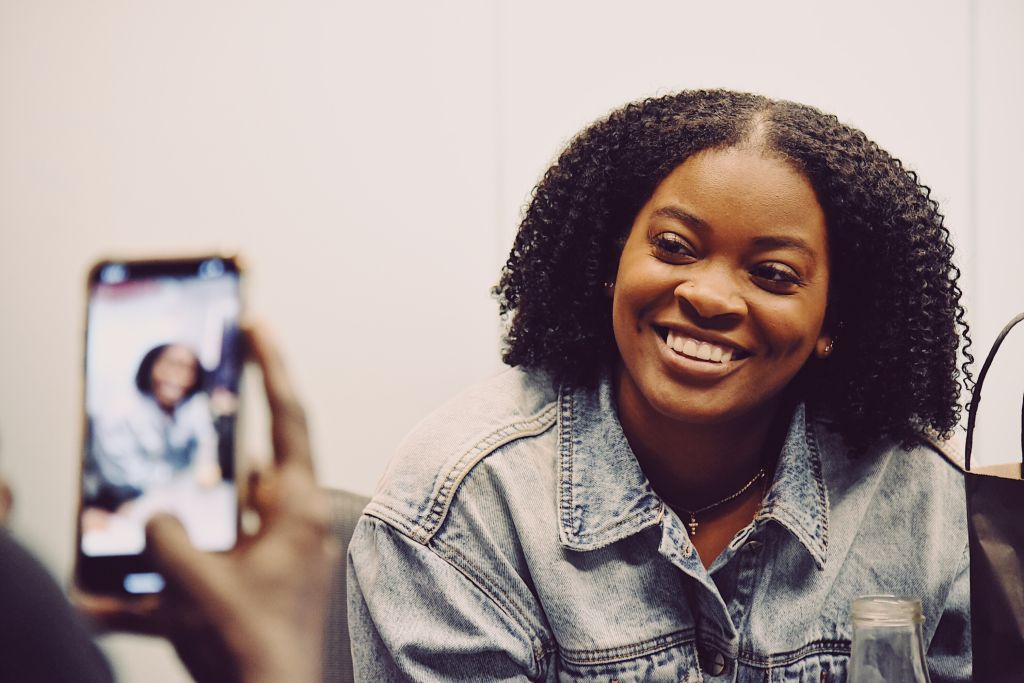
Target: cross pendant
[[692, 524]]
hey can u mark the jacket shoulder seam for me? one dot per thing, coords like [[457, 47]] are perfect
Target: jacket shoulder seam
[[423, 528], [540, 643]]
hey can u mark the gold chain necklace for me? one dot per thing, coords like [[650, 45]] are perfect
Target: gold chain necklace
[[692, 524]]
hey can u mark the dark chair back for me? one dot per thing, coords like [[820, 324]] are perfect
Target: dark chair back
[[337, 664]]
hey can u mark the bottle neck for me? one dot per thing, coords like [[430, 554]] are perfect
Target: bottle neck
[[886, 610], [887, 643]]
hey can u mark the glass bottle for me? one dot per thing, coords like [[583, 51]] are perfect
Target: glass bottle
[[887, 645]]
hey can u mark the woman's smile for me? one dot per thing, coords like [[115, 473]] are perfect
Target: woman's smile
[[694, 353], [721, 289]]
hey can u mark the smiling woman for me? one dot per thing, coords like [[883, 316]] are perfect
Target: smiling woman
[[734, 326]]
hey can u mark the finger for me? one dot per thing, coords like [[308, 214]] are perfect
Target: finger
[[6, 499], [108, 613], [289, 431], [264, 490], [191, 571]]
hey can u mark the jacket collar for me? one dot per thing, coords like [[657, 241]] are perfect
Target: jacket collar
[[604, 496], [797, 499]]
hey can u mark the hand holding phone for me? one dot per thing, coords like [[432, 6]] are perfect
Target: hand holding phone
[[255, 613]]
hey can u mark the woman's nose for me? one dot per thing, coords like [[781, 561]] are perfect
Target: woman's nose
[[712, 294]]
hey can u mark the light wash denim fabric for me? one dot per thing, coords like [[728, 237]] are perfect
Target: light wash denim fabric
[[515, 537]]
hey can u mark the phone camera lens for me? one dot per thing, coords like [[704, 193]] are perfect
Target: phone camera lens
[[113, 274], [211, 268]]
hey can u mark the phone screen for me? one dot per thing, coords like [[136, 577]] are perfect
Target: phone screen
[[163, 360]]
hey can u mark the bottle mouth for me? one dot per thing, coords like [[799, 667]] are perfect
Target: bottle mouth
[[887, 610]]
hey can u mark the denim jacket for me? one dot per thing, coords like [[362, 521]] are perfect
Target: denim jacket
[[515, 537]]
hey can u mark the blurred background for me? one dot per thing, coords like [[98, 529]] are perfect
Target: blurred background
[[371, 161]]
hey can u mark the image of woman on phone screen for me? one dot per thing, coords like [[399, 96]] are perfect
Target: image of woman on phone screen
[[166, 434], [169, 430], [735, 331]]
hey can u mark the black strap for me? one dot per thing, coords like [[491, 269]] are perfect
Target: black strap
[[972, 411]]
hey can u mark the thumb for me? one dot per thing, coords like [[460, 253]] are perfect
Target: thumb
[[191, 571]]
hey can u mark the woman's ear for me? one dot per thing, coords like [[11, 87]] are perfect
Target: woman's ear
[[824, 346]]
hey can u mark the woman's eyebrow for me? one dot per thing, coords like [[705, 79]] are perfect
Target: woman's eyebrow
[[680, 215], [785, 242]]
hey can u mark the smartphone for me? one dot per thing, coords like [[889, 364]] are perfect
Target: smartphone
[[163, 366]]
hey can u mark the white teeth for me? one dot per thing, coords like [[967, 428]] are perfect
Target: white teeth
[[698, 349]]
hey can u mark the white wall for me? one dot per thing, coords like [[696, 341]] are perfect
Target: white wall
[[998, 147], [371, 161]]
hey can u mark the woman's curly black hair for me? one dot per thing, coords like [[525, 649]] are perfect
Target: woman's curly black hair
[[894, 303]]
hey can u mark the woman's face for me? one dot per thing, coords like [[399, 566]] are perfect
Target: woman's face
[[173, 375], [721, 289]]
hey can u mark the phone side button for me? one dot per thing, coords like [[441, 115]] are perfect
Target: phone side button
[[143, 582]]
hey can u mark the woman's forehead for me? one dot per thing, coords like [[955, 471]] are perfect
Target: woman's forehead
[[178, 353], [737, 185]]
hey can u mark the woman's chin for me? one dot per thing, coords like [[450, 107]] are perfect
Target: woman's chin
[[168, 402]]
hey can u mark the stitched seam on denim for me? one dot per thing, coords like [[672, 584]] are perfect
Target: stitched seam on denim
[[717, 641], [605, 536], [422, 531], [804, 534], [565, 466], [819, 479], [750, 569], [538, 644], [541, 644], [679, 559], [397, 519], [442, 497], [626, 652], [818, 647]]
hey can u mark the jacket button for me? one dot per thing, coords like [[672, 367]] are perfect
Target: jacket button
[[712, 661]]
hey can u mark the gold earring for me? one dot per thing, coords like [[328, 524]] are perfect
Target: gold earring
[[828, 347]]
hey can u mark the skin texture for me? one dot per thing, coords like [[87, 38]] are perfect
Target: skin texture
[[255, 614], [731, 249]]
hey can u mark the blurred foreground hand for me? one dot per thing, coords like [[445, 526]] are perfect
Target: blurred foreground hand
[[255, 614], [5, 502]]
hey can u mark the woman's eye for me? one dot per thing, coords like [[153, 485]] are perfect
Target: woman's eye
[[777, 277], [671, 245]]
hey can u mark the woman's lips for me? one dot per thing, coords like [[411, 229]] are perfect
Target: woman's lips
[[699, 349]]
